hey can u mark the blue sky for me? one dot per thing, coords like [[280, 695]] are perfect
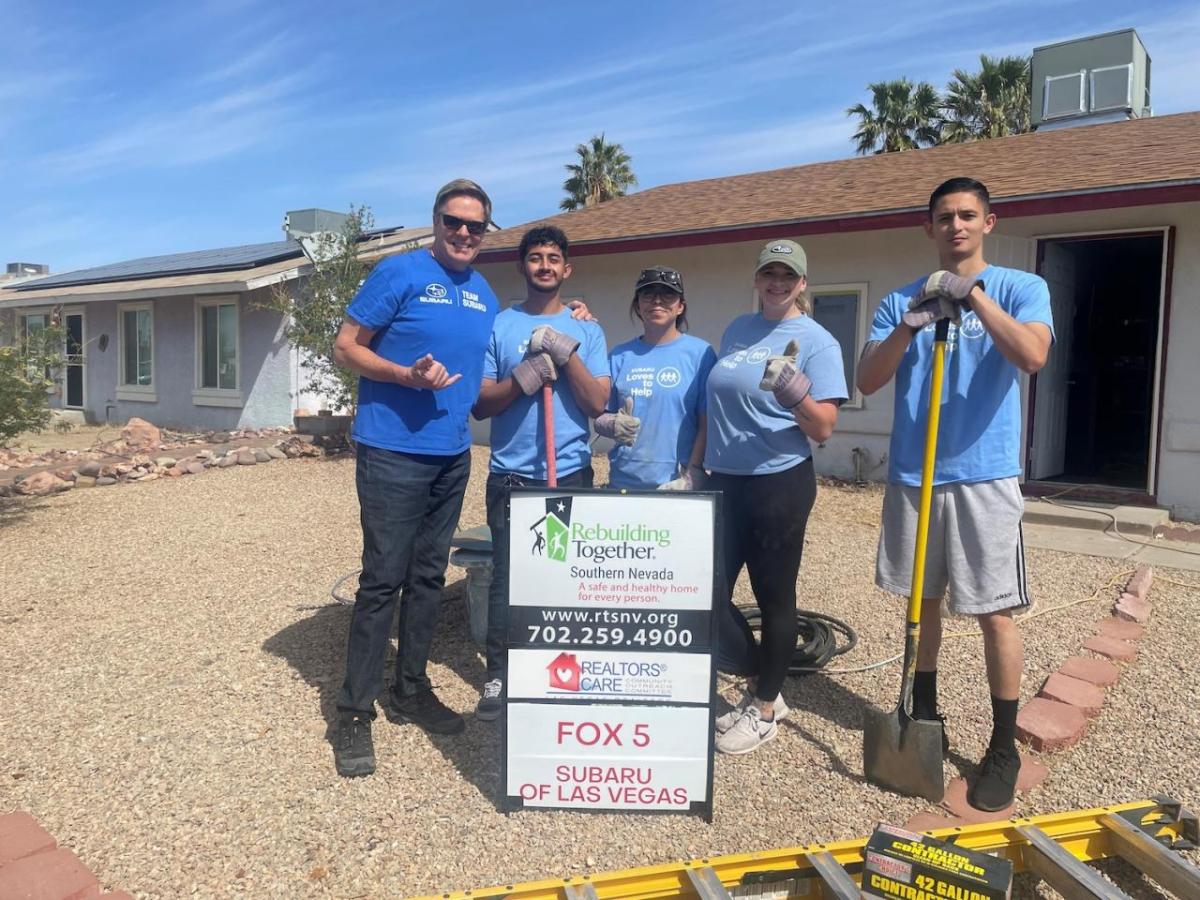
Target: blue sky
[[136, 129]]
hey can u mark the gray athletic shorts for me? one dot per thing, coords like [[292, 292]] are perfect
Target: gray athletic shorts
[[974, 545]]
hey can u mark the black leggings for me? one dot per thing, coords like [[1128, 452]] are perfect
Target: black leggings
[[764, 518]]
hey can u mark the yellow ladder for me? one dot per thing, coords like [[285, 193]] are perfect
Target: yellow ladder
[[1055, 847]]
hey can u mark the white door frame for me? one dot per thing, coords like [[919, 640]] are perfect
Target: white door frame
[[1155, 408]]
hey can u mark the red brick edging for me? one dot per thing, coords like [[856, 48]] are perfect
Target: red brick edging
[[34, 867], [1058, 716]]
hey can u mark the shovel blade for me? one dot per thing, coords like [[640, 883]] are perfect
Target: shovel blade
[[903, 754]]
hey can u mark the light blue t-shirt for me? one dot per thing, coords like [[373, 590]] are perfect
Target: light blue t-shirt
[[979, 429], [518, 437], [749, 432], [417, 306], [666, 383]]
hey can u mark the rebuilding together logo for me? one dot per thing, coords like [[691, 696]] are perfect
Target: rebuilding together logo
[[554, 532]]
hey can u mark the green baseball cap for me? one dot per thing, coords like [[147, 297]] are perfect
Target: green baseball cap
[[789, 253]]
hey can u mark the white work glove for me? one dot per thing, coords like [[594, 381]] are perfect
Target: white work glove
[[690, 479], [621, 426], [781, 376]]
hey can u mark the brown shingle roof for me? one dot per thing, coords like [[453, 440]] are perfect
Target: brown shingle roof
[[1084, 159]]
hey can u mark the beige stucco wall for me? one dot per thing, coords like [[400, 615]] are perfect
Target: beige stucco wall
[[718, 282]]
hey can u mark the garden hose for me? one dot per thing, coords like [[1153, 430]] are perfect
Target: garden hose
[[817, 640]]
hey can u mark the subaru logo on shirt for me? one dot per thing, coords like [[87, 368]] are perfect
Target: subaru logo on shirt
[[758, 354], [435, 290], [971, 327], [669, 377]]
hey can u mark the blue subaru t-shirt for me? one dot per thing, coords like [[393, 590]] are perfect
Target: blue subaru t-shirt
[[749, 432], [979, 429], [416, 306], [518, 436], [666, 383]]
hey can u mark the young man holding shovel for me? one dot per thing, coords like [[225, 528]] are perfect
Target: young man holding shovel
[[535, 343], [1001, 327]]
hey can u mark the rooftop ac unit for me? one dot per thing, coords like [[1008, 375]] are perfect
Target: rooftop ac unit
[[1102, 78]]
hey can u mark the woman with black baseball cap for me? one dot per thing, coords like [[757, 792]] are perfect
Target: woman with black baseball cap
[[656, 411], [777, 384]]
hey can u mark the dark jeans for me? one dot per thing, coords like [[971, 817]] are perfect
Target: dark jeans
[[497, 500], [409, 505], [764, 518]]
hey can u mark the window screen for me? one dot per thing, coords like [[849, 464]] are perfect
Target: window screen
[[1063, 95], [837, 312], [1110, 87]]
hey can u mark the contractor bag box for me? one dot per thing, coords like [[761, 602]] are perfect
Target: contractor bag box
[[903, 865]]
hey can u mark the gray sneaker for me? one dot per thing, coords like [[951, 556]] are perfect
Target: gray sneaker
[[491, 704], [729, 719], [749, 733]]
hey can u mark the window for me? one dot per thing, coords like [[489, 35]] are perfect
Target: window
[[840, 308], [1063, 95], [217, 353], [29, 329], [135, 352]]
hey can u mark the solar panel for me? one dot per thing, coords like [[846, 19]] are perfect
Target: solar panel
[[222, 259]]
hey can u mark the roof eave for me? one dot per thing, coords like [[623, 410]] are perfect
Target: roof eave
[[1019, 204]]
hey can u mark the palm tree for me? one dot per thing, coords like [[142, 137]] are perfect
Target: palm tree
[[602, 173], [990, 103], [903, 116]]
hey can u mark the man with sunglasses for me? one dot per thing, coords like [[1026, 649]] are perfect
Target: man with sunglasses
[[536, 342], [416, 333]]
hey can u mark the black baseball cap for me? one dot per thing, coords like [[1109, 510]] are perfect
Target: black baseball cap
[[664, 275]]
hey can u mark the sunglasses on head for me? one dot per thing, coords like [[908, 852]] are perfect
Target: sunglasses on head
[[453, 223], [665, 276]]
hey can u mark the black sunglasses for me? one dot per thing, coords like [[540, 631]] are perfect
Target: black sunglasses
[[665, 276], [453, 223]]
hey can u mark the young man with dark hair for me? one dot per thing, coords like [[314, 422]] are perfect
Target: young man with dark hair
[[533, 343], [1001, 327], [416, 333]]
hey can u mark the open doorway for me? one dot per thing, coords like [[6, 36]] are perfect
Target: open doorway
[[1093, 403]]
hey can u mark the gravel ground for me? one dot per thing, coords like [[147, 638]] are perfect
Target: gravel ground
[[169, 672]]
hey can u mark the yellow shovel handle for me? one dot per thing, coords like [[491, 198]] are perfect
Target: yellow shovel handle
[[931, 431]]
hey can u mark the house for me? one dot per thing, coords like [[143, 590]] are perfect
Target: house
[[184, 340], [1109, 214]]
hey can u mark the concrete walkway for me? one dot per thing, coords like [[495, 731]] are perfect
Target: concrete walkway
[[1114, 532]]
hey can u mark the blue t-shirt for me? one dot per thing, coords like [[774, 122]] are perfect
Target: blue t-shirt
[[518, 437], [666, 383], [979, 429], [416, 306], [749, 432]]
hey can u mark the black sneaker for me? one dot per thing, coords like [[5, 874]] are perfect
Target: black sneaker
[[996, 780], [490, 704], [353, 749], [424, 710]]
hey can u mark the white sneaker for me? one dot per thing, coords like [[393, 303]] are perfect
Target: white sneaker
[[729, 719], [749, 733]]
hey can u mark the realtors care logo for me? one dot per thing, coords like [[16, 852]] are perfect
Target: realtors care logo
[[554, 532]]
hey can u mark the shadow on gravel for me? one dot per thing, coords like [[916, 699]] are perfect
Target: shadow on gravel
[[316, 648], [14, 510], [822, 695]]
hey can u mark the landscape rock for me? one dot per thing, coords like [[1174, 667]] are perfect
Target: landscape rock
[[85, 481], [165, 462], [105, 481], [91, 468], [138, 434], [41, 483], [261, 455]]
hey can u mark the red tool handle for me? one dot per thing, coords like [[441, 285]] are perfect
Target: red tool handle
[[548, 423]]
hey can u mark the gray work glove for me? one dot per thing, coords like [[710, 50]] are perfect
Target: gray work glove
[[546, 340], [781, 376], [534, 371], [622, 426], [943, 296], [690, 479]]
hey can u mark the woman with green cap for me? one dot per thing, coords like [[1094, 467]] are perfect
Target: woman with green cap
[[777, 384]]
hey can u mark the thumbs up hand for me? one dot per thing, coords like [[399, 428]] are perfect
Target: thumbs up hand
[[622, 426], [782, 378]]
